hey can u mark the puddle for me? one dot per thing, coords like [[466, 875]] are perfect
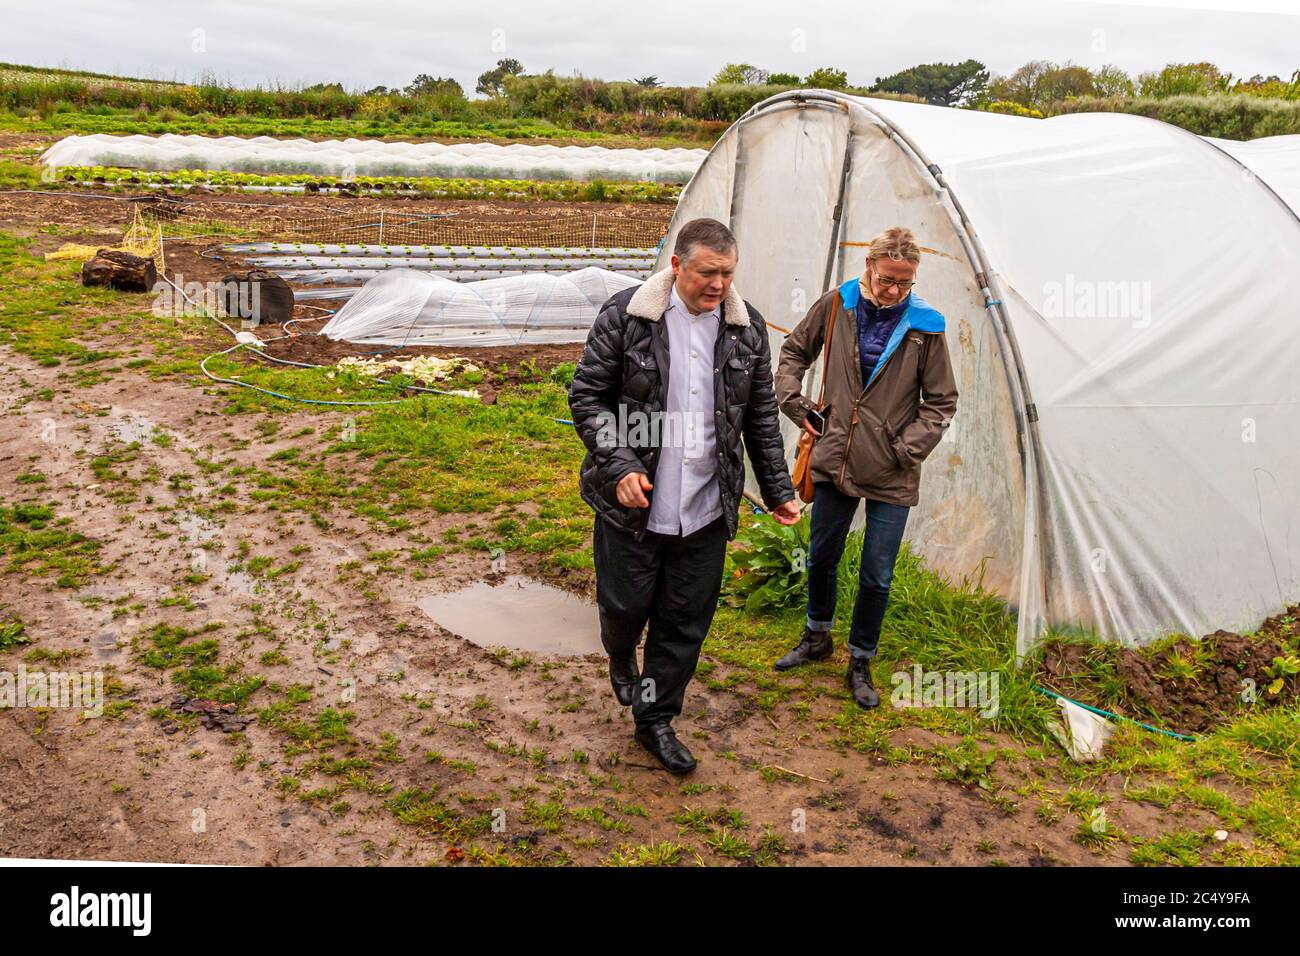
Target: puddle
[[103, 593], [133, 427], [240, 582], [105, 645], [520, 613], [197, 529]]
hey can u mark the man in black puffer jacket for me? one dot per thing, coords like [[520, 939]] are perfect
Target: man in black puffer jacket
[[664, 470]]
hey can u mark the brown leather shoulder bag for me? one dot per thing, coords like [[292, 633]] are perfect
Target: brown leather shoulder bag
[[802, 475]]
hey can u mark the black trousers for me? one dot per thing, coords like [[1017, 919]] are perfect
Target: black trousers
[[670, 582]]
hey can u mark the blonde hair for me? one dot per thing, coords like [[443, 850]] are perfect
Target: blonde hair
[[897, 243]]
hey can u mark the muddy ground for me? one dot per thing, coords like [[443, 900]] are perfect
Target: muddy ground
[[479, 730], [127, 789]]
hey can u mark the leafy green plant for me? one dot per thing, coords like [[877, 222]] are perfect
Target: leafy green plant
[[1280, 670], [11, 632], [767, 567]]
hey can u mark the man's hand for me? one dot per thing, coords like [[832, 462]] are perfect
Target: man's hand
[[807, 426], [631, 490], [787, 512]]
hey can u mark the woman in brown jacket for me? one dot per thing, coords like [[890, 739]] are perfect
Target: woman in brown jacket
[[890, 394]]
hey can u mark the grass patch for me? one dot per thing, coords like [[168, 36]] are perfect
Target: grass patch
[[41, 544]]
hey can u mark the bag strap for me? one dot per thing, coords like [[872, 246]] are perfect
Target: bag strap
[[826, 351]]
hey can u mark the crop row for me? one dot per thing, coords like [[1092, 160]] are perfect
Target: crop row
[[595, 191]]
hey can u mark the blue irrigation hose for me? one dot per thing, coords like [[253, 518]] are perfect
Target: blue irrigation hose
[[1107, 713]]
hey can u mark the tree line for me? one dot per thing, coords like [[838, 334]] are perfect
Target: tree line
[[1197, 96]]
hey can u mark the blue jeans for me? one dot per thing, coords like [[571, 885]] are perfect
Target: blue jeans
[[832, 513]]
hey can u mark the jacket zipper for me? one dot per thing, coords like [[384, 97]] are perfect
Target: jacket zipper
[[854, 420]]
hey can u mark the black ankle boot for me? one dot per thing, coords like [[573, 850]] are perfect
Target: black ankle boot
[[623, 677], [858, 677], [815, 646]]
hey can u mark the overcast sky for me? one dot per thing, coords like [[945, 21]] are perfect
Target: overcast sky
[[362, 44]]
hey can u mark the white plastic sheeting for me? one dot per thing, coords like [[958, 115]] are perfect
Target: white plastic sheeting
[[355, 277], [317, 263], [405, 307], [388, 251], [363, 157], [441, 263], [1122, 305], [1273, 160]]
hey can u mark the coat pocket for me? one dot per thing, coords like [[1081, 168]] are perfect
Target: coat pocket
[[737, 378], [640, 376], [872, 462]]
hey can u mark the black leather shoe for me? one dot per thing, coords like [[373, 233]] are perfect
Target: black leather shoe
[[661, 740], [624, 677], [858, 677], [815, 646]]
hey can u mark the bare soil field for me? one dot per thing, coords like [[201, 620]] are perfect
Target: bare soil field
[[113, 211]]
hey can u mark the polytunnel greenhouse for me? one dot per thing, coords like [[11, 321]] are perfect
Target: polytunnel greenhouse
[[1121, 303], [363, 157]]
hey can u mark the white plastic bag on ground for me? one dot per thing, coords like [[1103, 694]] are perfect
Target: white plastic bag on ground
[[1084, 734]]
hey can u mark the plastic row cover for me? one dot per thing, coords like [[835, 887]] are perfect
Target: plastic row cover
[[389, 251], [403, 307], [432, 263], [356, 157], [357, 277], [1273, 159]]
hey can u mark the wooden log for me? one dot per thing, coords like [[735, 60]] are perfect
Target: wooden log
[[120, 270], [257, 296]]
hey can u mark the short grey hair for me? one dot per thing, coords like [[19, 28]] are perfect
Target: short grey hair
[[704, 232]]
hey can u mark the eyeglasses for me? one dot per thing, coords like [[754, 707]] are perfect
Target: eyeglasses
[[901, 285]]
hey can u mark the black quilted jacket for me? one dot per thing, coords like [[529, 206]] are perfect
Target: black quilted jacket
[[625, 363]]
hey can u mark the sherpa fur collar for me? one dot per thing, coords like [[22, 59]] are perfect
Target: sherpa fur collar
[[650, 301]]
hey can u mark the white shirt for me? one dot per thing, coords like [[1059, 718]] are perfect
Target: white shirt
[[685, 496]]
